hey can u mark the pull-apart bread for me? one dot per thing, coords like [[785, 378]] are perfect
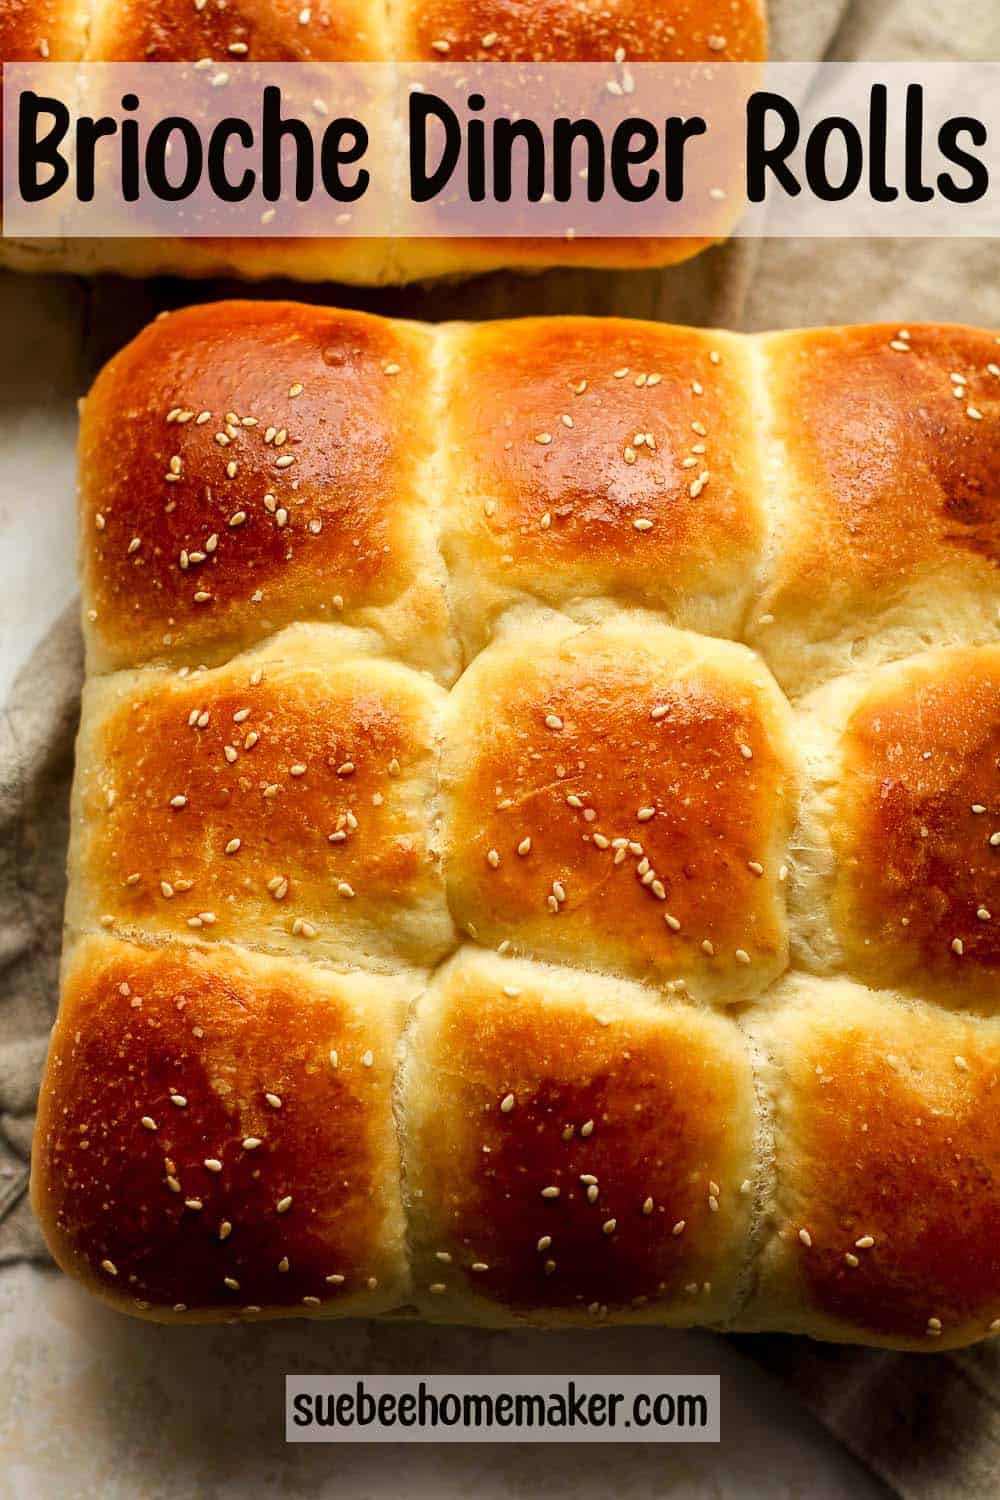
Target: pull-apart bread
[[536, 829]]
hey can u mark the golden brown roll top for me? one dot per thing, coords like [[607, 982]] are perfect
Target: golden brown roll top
[[620, 798], [37, 30], [598, 459], [280, 801], [245, 465], [215, 1134], [552, 31], [575, 1150], [899, 879], [886, 1213], [279, 31], [887, 467]]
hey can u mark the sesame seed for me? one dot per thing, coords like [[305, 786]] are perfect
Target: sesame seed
[[273, 1100], [524, 847], [251, 1142], [550, 1192], [283, 1204], [805, 1237], [110, 1267], [147, 1123], [506, 1104], [212, 1164]]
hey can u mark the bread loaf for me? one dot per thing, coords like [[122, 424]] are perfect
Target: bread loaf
[[362, 31], [536, 828]]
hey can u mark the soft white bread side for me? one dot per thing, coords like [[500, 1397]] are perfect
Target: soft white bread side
[[462, 918]]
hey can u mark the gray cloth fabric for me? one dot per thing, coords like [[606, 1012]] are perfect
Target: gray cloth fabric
[[928, 1426]]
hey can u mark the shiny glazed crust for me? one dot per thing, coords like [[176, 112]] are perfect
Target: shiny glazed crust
[[609, 907]]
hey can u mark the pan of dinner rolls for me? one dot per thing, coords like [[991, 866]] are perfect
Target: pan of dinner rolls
[[240, 33], [536, 828]]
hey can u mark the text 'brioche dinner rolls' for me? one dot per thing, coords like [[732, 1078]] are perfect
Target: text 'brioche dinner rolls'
[[620, 797], [245, 468], [241, 32], [590, 922], [600, 460], [574, 1148], [279, 801], [216, 1135], [887, 1153]]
